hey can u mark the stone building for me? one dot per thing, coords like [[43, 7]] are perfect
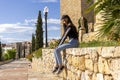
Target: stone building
[[76, 9], [22, 48]]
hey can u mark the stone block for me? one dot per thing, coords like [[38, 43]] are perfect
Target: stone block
[[84, 51], [103, 66], [77, 51], [108, 52], [115, 68], [78, 62], [117, 52], [83, 76], [79, 74], [64, 74], [81, 63], [95, 67], [88, 75], [89, 64], [90, 50], [69, 77], [99, 50], [69, 51], [100, 76], [73, 76], [87, 56], [94, 56], [108, 77], [69, 59], [75, 61], [94, 76]]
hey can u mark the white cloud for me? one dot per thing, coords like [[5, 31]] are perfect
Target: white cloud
[[13, 28], [12, 40], [30, 21], [22, 31], [15, 32], [42, 1]]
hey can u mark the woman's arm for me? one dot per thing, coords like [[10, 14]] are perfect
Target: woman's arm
[[64, 36]]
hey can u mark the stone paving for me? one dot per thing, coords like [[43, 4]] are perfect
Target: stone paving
[[16, 70], [43, 76], [21, 70]]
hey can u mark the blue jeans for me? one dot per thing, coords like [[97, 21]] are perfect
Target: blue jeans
[[71, 44]]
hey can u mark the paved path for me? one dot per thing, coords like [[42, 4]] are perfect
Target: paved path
[[43, 76], [20, 70], [16, 70]]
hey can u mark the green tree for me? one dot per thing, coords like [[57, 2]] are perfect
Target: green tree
[[39, 33], [0, 51], [110, 10], [33, 43]]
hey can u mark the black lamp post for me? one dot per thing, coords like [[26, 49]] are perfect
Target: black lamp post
[[45, 14]]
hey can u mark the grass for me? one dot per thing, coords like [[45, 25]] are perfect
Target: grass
[[95, 43]]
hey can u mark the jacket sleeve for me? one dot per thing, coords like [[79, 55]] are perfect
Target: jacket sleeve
[[64, 36]]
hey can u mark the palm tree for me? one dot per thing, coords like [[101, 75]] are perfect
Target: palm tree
[[111, 17]]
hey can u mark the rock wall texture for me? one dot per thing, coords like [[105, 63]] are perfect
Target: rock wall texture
[[96, 63]]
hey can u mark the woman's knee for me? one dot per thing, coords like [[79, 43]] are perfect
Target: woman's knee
[[57, 49]]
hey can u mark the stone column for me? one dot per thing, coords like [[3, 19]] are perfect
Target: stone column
[[82, 30]]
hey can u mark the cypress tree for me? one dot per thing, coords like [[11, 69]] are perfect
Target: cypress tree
[[33, 42], [39, 33], [0, 51]]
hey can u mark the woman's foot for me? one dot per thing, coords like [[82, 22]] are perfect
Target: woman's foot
[[55, 69], [60, 69]]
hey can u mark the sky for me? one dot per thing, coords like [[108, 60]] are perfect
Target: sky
[[18, 18]]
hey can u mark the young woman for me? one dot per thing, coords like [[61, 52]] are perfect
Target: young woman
[[71, 32]]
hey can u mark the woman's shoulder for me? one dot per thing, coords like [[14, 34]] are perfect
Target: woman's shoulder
[[70, 25]]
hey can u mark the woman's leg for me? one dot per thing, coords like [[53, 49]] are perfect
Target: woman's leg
[[56, 66], [72, 43], [56, 60]]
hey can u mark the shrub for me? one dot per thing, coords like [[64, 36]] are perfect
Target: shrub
[[5, 56], [29, 57], [53, 44], [37, 54], [11, 53]]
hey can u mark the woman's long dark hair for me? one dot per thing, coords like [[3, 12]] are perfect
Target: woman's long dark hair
[[68, 20]]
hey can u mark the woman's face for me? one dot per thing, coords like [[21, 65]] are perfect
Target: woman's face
[[64, 21]]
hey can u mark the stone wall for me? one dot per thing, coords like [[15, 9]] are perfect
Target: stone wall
[[96, 63], [90, 37]]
